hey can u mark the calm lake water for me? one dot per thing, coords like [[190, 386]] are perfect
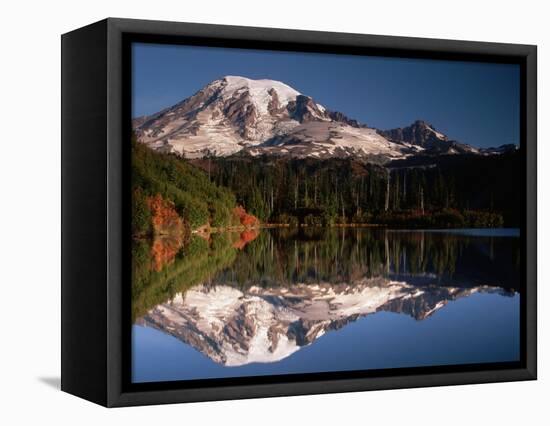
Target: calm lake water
[[283, 301]]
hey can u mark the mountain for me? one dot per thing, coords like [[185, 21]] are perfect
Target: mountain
[[267, 117], [235, 327], [424, 135], [227, 116]]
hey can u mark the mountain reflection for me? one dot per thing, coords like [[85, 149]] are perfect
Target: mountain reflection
[[284, 288]]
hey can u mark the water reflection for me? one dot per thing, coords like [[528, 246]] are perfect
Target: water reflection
[[261, 297]]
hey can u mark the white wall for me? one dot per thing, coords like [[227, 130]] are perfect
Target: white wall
[[30, 194]]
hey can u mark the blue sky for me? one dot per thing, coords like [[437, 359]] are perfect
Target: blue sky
[[474, 103]]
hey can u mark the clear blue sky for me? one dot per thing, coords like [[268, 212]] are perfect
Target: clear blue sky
[[474, 103]]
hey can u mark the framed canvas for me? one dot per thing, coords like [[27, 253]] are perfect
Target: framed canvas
[[253, 212]]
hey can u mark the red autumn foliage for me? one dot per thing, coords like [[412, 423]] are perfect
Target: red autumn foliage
[[246, 237], [164, 250], [165, 218], [245, 219]]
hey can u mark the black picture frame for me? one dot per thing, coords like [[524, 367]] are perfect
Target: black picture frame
[[96, 127]]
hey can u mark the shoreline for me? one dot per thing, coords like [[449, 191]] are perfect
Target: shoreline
[[213, 230], [205, 232]]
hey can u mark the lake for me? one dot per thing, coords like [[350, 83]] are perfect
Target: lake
[[304, 300]]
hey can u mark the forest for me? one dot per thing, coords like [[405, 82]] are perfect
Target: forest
[[450, 192]]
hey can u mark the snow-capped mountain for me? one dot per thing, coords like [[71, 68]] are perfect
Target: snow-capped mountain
[[240, 115], [424, 135], [227, 116], [236, 327]]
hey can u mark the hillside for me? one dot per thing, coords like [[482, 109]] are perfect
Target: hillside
[[166, 189]]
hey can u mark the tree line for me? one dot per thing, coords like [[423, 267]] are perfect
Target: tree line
[[454, 192]]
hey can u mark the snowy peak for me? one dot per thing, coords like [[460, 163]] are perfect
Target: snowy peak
[[418, 133], [226, 116], [259, 117], [423, 135], [262, 93]]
